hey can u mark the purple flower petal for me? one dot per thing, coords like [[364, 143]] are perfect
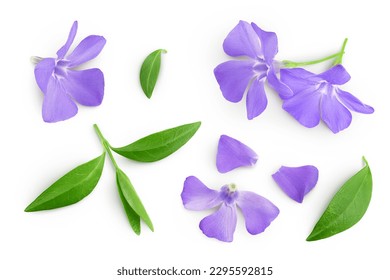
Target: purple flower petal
[[281, 88], [256, 100], [242, 40], [196, 196], [353, 103], [86, 86], [304, 107], [298, 79], [57, 105], [296, 182], [43, 71], [88, 49], [258, 211], [233, 78], [64, 49], [221, 224], [337, 75], [269, 43], [334, 114], [232, 154]]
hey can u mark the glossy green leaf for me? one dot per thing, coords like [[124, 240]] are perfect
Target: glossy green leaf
[[159, 145], [71, 188], [129, 194], [134, 219], [347, 207], [149, 71]]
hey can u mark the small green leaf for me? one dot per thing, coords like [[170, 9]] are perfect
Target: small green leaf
[[159, 145], [347, 207], [71, 188], [149, 71], [129, 194], [134, 219]]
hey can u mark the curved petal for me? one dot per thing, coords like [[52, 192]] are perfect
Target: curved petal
[[232, 154], [296, 182], [57, 105], [337, 75], [64, 49], [43, 71], [221, 224], [196, 196], [334, 114], [233, 78], [353, 103], [88, 49], [269, 43], [298, 79], [281, 88], [86, 86], [258, 211], [304, 107], [256, 100], [242, 40]]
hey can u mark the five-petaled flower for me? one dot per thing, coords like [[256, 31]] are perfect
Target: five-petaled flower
[[317, 97], [235, 77], [258, 212], [62, 85]]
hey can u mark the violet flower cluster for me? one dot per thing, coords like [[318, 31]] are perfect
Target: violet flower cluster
[[306, 96]]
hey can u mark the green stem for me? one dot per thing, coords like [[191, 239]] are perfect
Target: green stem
[[338, 59], [35, 59], [106, 145]]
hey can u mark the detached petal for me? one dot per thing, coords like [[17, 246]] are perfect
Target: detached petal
[[258, 211], [256, 100], [304, 107], [43, 71], [233, 78], [337, 75], [232, 154], [196, 196], [296, 182], [88, 49], [57, 105], [353, 103], [334, 114], [86, 86], [298, 79], [242, 40], [64, 49], [269, 43], [222, 224]]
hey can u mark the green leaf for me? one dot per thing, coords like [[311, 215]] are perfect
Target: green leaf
[[159, 145], [71, 188], [149, 71], [347, 207], [129, 194], [134, 219]]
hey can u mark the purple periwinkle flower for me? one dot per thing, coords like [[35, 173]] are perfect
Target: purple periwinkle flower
[[317, 97], [232, 154], [258, 212], [296, 182], [235, 77], [62, 85]]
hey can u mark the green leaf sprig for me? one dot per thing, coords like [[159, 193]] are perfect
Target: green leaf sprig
[[347, 206], [149, 71], [80, 181]]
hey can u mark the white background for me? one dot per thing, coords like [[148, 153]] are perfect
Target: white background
[[91, 239]]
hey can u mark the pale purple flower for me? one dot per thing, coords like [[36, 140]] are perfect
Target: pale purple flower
[[317, 97], [258, 212], [232, 154], [62, 85], [258, 49], [296, 182]]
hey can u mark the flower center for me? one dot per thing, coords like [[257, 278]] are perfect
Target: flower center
[[229, 193], [326, 88]]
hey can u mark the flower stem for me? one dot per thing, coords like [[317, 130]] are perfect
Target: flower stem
[[35, 59], [338, 59], [106, 145]]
